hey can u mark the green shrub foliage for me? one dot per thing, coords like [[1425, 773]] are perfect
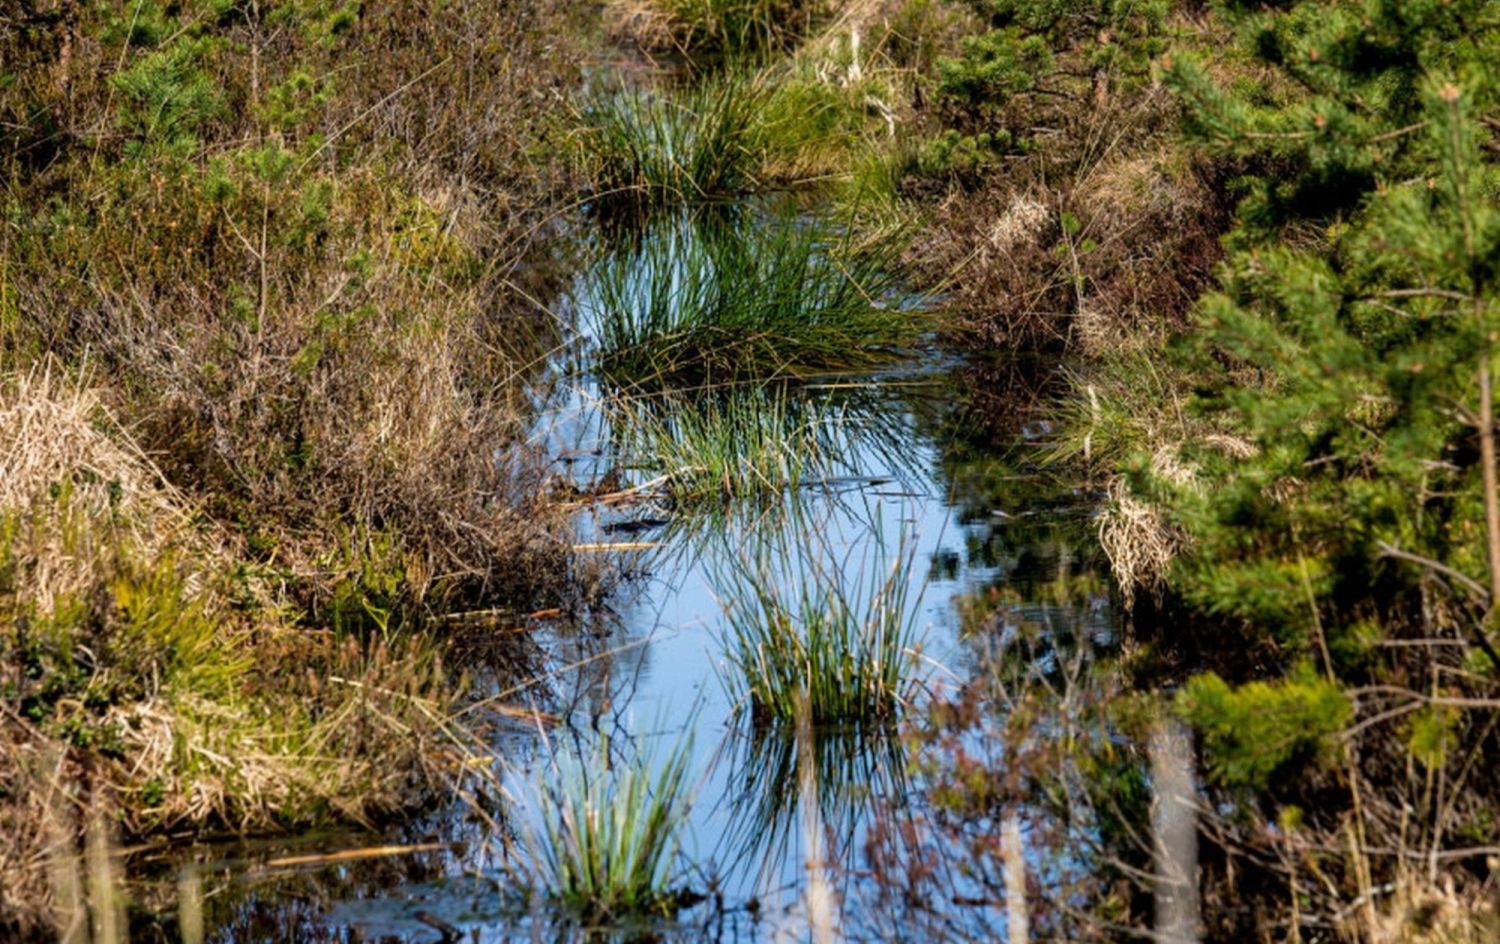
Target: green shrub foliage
[[1351, 347], [1261, 729], [1036, 61]]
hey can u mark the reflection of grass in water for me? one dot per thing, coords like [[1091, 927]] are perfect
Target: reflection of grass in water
[[696, 303], [607, 831], [835, 636], [754, 441], [850, 767]]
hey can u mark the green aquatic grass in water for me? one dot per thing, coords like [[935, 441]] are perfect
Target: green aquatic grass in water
[[717, 139], [609, 831], [701, 302], [836, 636], [730, 444]]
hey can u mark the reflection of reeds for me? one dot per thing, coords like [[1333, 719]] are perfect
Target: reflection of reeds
[[837, 636], [607, 832], [695, 303], [842, 771], [751, 441]]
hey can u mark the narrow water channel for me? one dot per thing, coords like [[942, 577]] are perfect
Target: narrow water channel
[[902, 474]]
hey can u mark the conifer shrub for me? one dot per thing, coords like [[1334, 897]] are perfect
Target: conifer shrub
[[1073, 219], [1034, 60], [1260, 730], [1349, 350]]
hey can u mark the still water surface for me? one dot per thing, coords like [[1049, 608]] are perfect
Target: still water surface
[[919, 475]]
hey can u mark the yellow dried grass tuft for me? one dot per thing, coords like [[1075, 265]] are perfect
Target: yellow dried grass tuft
[[1139, 543], [55, 435], [218, 713]]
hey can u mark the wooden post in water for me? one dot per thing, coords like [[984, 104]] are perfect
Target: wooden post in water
[[104, 895], [1017, 921], [1174, 827], [190, 904]]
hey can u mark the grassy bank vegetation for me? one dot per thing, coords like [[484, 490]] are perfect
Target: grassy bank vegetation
[[263, 329]]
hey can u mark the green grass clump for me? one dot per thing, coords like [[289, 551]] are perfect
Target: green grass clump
[[732, 134], [835, 637], [645, 148], [699, 303], [609, 833]]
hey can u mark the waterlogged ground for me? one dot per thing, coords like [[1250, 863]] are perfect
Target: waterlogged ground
[[901, 470]]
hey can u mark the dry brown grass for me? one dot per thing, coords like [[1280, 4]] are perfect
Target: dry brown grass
[[1421, 912], [142, 684], [52, 435], [706, 31], [1139, 543], [331, 360], [1102, 237]]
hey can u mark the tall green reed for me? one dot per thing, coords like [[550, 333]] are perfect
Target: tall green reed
[[645, 148]]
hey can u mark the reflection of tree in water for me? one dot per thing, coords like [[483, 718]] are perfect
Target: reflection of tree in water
[[1021, 517], [1039, 732]]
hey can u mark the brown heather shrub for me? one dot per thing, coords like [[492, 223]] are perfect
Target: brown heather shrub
[[148, 678], [315, 285], [1105, 239]]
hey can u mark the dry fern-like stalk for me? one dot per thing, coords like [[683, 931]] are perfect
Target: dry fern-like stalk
[[1139, 543]]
